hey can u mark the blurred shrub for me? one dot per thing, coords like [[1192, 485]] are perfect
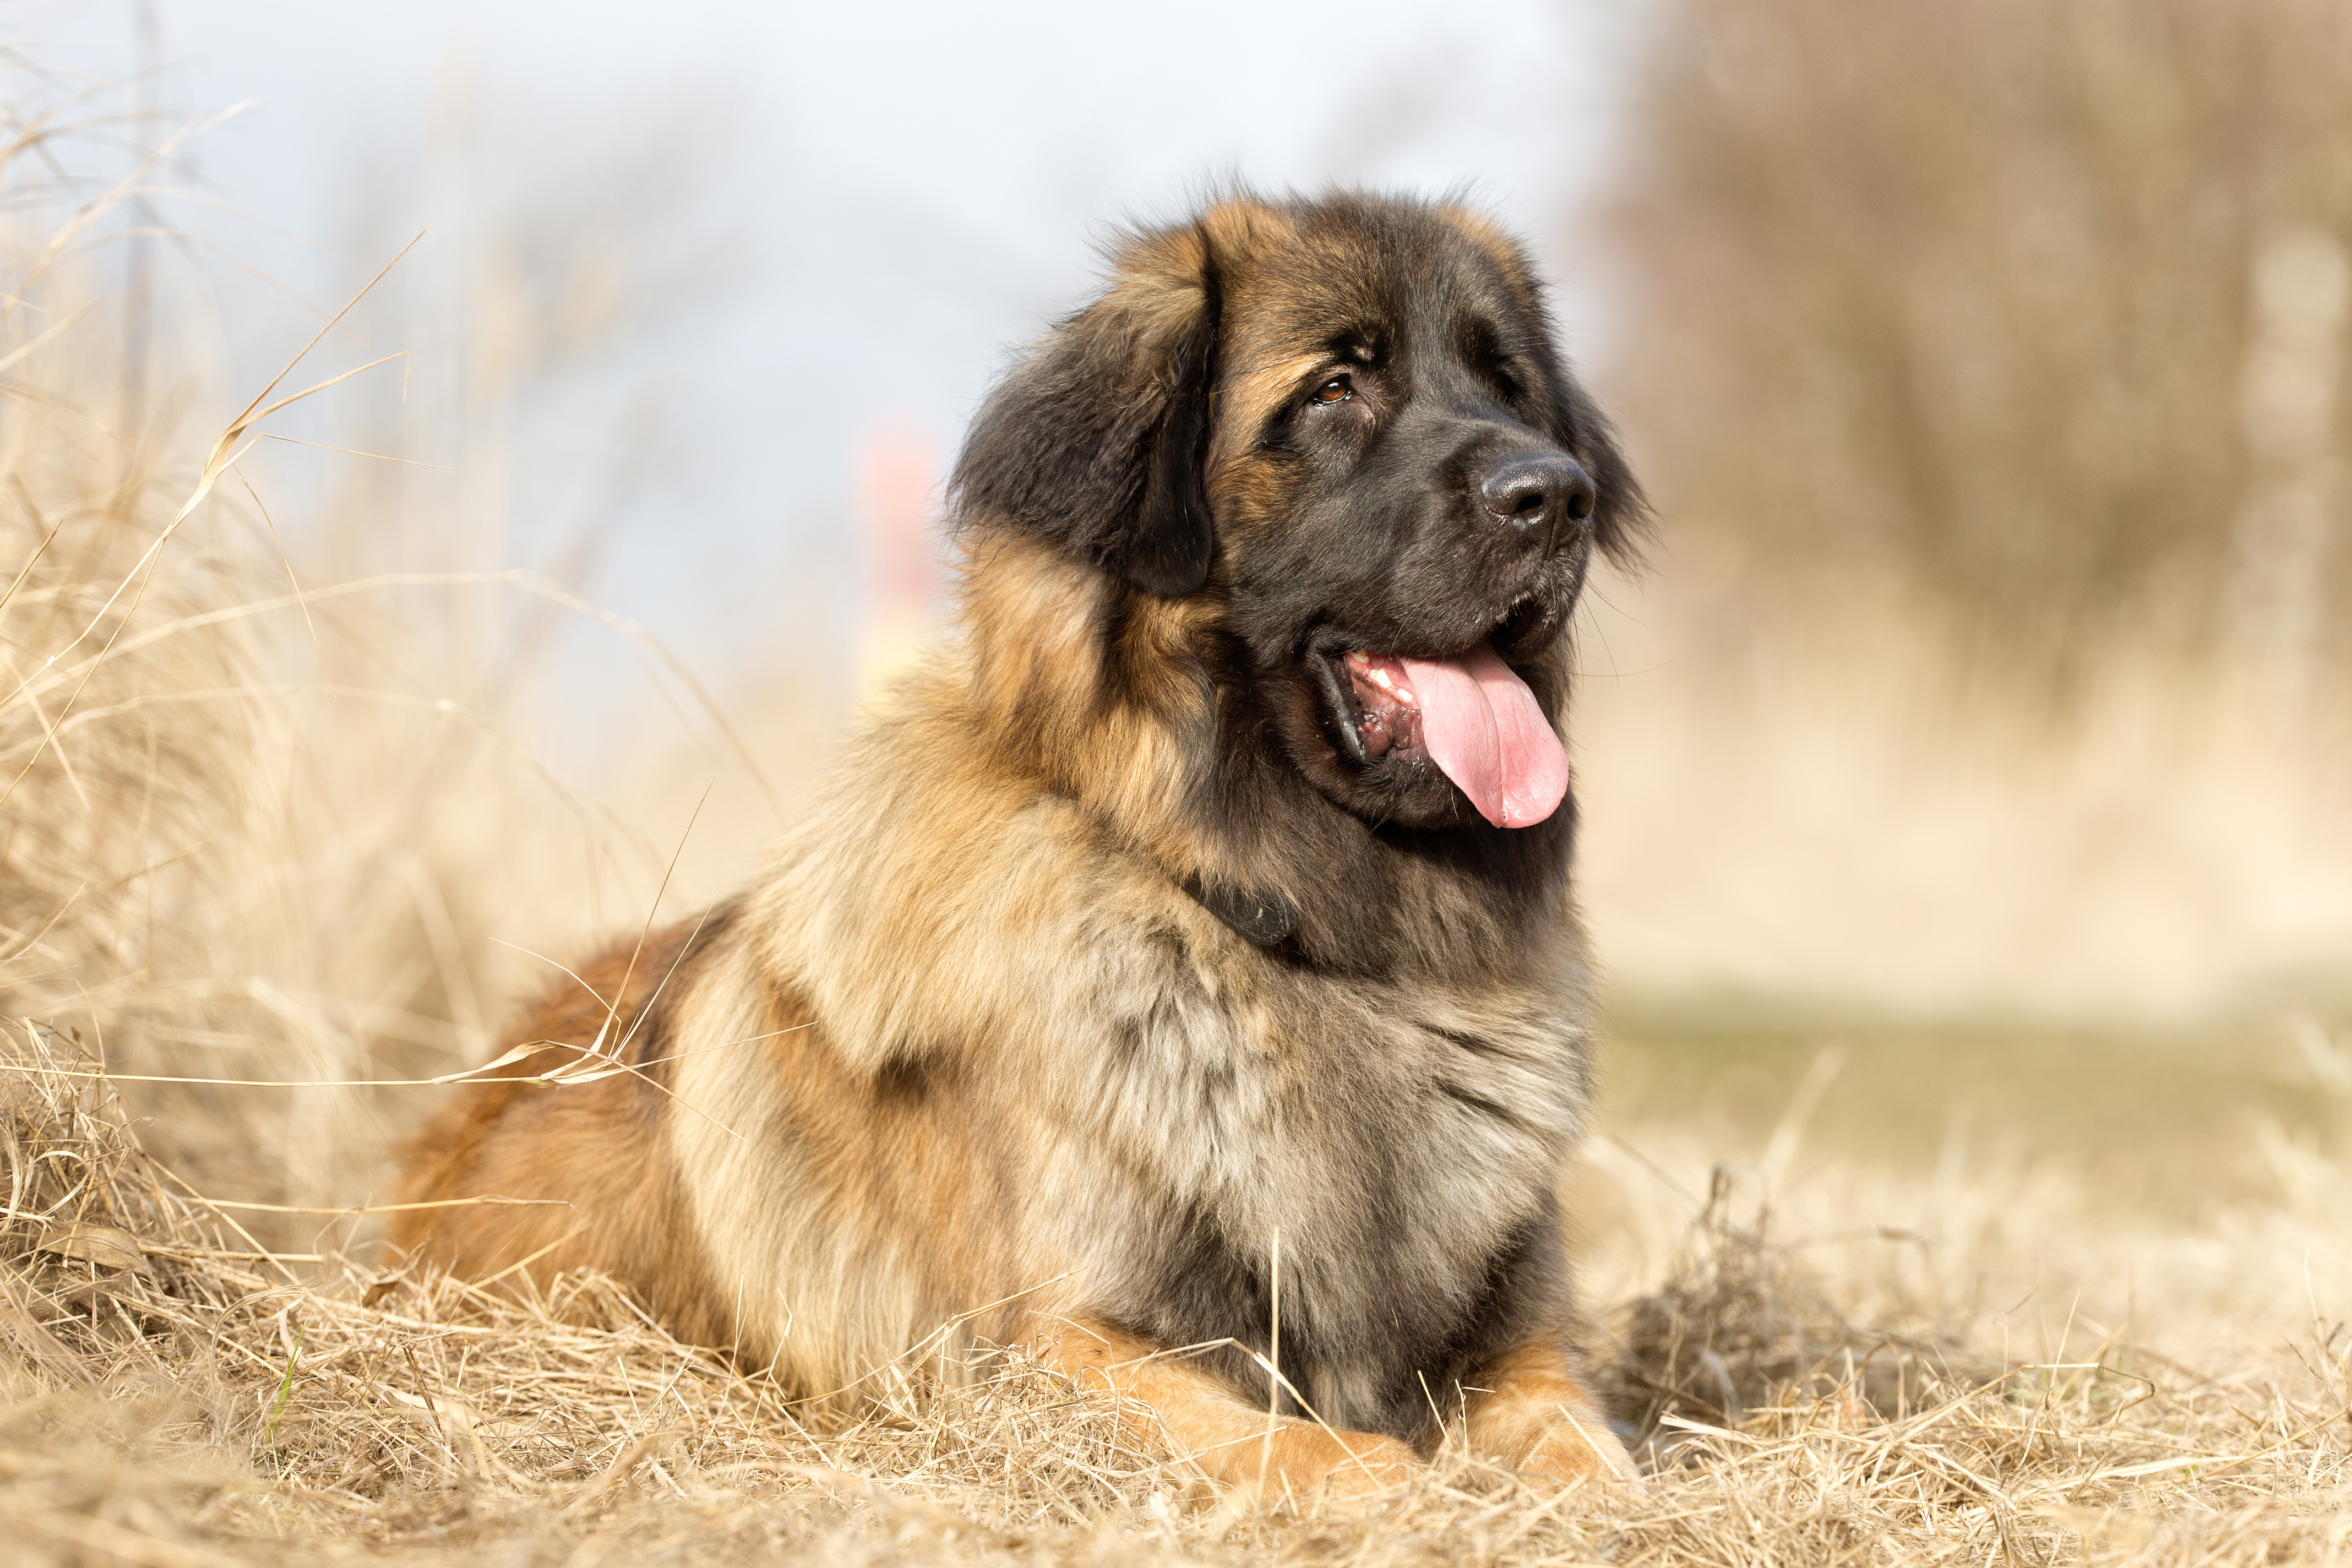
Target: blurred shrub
[[2024, 317]]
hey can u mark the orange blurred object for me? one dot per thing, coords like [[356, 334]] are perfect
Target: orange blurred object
[[897, 478]]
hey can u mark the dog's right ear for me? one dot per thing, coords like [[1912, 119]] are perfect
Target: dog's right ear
[[1098, 438]]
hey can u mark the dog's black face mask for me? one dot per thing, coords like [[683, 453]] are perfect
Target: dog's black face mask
[[1344, 419]]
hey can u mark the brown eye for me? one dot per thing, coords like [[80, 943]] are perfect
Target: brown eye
[[1338, 389]]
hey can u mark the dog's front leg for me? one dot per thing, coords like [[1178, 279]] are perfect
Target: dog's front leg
[[1210, 1425], [1529, 1411]]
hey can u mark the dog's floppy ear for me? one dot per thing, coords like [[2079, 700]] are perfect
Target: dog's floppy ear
[[1097, 439]]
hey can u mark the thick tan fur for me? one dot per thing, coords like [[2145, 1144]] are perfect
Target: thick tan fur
[[968, 1055]]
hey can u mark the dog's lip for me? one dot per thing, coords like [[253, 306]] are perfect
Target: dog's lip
[[1329, 669], [1334, 644], [1329, 647], [1530, 622]]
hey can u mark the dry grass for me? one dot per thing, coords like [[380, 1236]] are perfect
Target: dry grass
[[263, 825], [275, 795], [177, 1394]]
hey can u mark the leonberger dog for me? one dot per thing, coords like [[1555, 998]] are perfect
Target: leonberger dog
[[1202, 901]]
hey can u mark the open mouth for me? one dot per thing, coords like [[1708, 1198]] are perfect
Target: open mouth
[[1388, 713], [1472, 716]]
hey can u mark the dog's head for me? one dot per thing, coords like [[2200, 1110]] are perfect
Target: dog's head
[[1343, 423]]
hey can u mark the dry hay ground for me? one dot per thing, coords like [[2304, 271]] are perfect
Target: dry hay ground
[[177, 1393]]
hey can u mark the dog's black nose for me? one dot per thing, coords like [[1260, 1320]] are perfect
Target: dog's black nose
[[1538, 489]]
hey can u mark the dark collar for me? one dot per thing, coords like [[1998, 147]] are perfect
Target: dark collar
[[1263, 916]]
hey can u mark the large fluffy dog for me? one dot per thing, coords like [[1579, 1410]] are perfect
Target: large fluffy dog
[[1204, 901]]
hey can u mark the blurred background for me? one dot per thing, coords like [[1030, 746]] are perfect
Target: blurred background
[[1978, 726]]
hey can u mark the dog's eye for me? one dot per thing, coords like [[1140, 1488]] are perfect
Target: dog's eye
[[1338, 389]]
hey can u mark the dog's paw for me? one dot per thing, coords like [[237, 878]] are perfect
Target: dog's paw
[[1570, 1451], [1306, 1460]]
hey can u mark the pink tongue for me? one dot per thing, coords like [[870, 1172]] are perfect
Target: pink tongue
[[1482, 725]]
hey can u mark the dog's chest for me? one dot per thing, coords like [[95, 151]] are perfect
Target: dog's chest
[[1394, 1150], [1313, 1105]]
